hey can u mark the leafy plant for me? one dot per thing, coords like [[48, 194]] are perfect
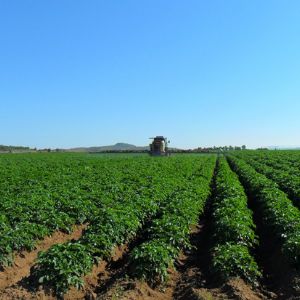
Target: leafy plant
[[234, 260], [152, 259], [64, 264]]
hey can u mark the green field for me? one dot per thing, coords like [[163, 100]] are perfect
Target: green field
[[228, 216]]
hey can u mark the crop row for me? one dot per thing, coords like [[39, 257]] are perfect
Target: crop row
[[278, 213], [286, 161], [286, 180], [169, 233], [233, 228]]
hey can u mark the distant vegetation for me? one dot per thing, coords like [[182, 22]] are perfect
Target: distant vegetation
[[214, 149], [13, 148]]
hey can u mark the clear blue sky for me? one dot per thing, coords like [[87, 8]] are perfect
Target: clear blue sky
[[203, 73]]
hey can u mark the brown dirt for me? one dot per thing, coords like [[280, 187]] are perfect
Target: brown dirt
[[184, 281], [11, 276], [130, 289], [242, 291], [141, 290], [195, 282]]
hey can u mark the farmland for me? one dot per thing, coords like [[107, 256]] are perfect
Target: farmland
[[81, 226]]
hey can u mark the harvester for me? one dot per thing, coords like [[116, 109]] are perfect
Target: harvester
[[159, 146]]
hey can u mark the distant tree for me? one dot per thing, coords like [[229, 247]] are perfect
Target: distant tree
[[244, 147]]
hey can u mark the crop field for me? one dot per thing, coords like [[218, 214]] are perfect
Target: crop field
[[82, 226]]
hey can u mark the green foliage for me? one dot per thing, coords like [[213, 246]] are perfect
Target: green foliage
[[291, 249], [152, 259], [278, 212], [42, 193], [169, 232], [146, 185], [117, 196], [278, 168], [113, 226], [64, 264], [233, 228], [231, 216], [232, 260]]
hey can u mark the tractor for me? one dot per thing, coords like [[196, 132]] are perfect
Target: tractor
[[159, 146]]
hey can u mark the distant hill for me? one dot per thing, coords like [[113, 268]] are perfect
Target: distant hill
[[116, 147]]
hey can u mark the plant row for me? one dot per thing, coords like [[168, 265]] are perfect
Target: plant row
[[289, 183], [286, 161], [279, 215], [169, 233], [233, 228]]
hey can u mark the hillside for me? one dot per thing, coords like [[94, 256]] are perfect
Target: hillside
[[116, 147]]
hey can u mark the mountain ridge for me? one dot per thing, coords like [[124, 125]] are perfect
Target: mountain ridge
[[115, 147]]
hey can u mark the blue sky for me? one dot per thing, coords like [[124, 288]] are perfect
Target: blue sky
[[203, 73]]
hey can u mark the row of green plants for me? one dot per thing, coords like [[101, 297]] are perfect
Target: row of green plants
[[284, 161], [233, 228], [285, 177], [112, 225], [169, 232], [288, 160], [279, 215]]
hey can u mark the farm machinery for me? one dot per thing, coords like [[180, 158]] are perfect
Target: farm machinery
[[159, 146]]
